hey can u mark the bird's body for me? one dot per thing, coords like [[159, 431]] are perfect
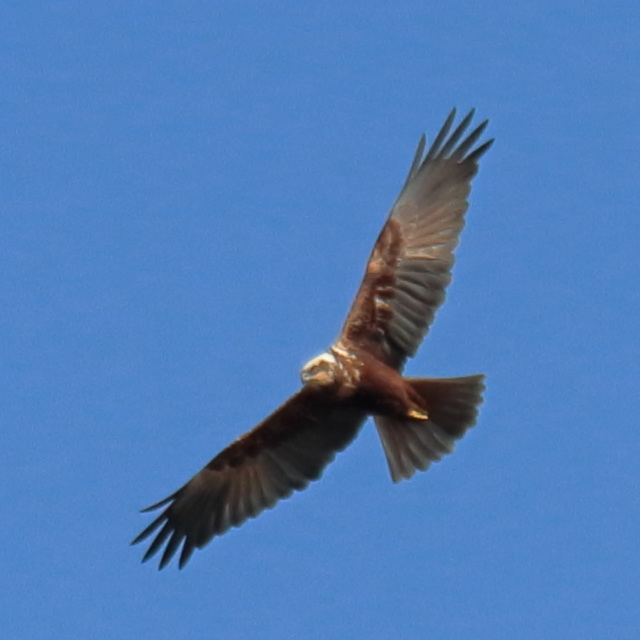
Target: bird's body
[[360, 375], [361, 380]]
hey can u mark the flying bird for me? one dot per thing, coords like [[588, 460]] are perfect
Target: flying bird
[[360, 375]]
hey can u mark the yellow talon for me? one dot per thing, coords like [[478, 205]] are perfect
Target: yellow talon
[[418, 414]]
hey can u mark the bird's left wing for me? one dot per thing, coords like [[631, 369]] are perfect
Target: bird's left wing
[[410, 265], [281, 455]]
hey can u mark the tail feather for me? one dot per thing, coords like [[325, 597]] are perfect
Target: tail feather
[[452, 405]]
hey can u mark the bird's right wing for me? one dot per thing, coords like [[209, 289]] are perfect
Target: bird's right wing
[[281, 455], [410, 265]]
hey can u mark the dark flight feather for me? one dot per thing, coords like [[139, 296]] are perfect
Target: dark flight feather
[[281, 455]]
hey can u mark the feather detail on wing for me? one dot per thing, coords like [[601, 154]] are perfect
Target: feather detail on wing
[[281, 455], [410, 266]]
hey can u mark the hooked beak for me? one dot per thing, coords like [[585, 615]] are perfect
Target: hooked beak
[[319, 379]]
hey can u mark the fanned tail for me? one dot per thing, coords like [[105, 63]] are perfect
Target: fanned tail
[[452, 406]]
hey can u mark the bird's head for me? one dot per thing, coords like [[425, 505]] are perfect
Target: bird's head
[[320, 371]]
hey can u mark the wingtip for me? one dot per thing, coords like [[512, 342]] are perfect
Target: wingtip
[[160, 503], [434, 149], [146, 557], [187, 550], [475, 155]]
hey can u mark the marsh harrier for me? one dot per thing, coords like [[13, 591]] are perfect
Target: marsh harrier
[[418, 419]]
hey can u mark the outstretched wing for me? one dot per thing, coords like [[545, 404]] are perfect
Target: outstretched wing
[[411, 262], [281, 455]]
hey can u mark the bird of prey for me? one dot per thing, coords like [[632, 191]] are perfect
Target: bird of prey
[[418, 419]]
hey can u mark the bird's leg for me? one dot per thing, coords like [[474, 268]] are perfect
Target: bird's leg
[[414, 403]]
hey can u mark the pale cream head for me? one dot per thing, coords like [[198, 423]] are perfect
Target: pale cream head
[[321, 370]]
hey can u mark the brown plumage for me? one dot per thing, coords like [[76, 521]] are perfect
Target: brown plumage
[[418, 419]]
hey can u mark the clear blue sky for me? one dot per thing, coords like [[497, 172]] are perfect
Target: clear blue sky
[[188, 195]]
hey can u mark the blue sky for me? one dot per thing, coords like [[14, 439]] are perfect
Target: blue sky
[[189, 192]]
